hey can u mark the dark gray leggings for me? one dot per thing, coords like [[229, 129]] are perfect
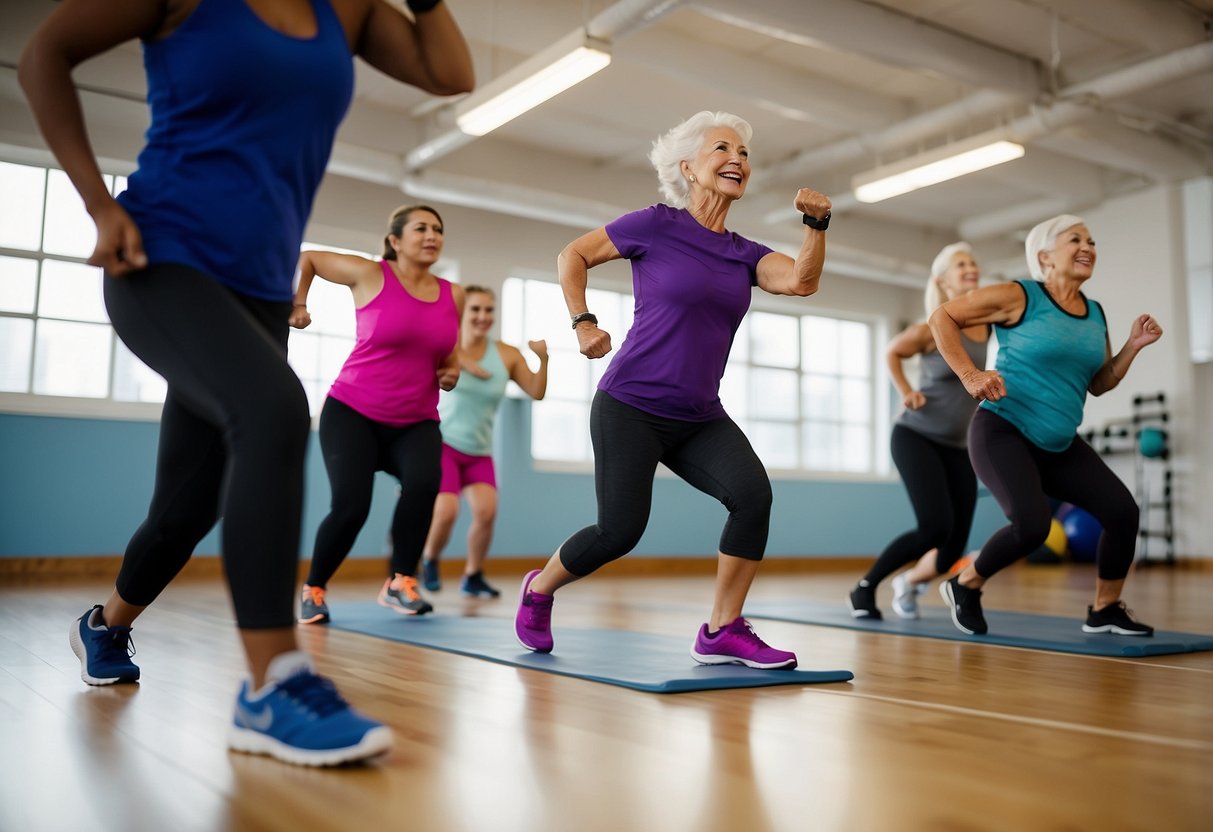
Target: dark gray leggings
[[233, 437], [1022, 477], [713, 456]]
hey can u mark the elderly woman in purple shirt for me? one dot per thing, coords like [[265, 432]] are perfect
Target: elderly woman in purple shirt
[[659, 400]]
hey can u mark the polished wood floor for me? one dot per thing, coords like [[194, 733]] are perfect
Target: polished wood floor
[[931, 735]]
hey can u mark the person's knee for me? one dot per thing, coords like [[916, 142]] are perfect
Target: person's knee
[[1032, 530], [484, 515]]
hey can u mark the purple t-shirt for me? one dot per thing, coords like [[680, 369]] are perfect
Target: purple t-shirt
[[692, 288]]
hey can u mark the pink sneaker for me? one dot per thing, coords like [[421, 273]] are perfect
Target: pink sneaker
[[533, 621], [737, 643]]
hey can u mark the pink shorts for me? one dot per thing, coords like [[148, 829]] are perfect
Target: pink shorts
[[459, 470]]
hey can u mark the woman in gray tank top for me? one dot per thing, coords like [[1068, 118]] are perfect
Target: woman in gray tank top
[[929, 447]]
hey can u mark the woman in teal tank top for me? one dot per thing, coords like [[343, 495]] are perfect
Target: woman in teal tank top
[[1054, 348], [467, 416]]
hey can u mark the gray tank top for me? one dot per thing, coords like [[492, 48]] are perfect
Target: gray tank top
[[949, 409]]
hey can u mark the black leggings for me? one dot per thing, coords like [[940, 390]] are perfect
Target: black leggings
[[713, 456], [233, 437], [943, 491], [1022, 477], [354, 448]]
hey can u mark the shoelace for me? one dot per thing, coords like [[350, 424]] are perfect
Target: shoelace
[[314, 594], [747, 633], [540, 616], [408, 586], [315, 693], [119, 644]]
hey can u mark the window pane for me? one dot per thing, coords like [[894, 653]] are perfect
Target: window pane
[[775, 444], [72, 359], [511, 311], [72, 291], [546, 315], [16, 346], [854, 348], [734, 390], [773, 339], [134, 381], [119, 185], [69, 228], [772, 393], [332, 309], [741, 341], [855, 401], [560, 431], [819, 344], [334, 350], [614, 313], [856, 449], [820, 397], [570, 372], [24, 188], [18, 284], [820, 442]]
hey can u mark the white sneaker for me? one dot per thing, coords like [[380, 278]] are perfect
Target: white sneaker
[[905, 596]]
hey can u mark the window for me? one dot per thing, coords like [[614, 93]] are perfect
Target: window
[[802, 387]]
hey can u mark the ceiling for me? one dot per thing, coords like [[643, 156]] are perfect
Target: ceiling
[[1108, 96]]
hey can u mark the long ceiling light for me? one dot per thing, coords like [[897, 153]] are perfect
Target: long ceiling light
[[934, 166], [566, 63]]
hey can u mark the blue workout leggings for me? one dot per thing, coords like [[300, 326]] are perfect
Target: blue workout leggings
[[233, 436], [943, 491], [713, 456], [1022, 477]]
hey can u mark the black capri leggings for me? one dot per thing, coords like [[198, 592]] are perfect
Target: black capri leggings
[[354, 448], [713, 456], [943, 491], [233, 437], [1022, 477]]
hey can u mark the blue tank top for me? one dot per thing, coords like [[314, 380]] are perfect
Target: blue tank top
[[1048, 360], [243, 120], [468, 412]]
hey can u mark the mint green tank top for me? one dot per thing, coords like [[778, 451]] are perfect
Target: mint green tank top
[[1048, 360], [467, 413]]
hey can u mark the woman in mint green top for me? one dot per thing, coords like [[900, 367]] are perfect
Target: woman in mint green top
[[466, 415], [1053, 350]]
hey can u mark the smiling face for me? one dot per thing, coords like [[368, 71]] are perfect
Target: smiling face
[[420, 239], [1072, 256], [479, 313], [961, 277], [721, 167]]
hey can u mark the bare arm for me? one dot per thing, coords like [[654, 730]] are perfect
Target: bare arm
[[913, 340], [780, 274], [1144, 331], [573, 266], [534, 384], [75, 31], [1001, 304], [364, 277], [448, 370], [428, 52]]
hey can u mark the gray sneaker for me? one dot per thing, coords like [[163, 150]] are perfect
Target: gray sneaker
[[905, 596], [312, 609], [400, 594]]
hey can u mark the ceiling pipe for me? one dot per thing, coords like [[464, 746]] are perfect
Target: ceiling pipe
[[615, 21]]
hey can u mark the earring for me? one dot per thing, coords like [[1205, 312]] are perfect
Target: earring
[[692, 177]]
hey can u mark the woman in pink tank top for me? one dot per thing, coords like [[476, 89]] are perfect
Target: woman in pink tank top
[[381, 413]]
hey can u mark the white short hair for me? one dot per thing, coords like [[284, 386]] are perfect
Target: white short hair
[[1043, 237], [681, 143], [933, 297]]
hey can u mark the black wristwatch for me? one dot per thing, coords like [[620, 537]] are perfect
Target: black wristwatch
[[819, 224], [585, 316], [421, 6]]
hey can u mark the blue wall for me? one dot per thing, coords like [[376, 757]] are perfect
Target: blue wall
[[81, 486]]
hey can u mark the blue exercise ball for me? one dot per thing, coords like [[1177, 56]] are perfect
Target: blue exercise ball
[[1153, 442], [1082, 534]]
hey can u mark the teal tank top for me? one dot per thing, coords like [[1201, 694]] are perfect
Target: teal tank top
[[1048, 360], [467, 413]]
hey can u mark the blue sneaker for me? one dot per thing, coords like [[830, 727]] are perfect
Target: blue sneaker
[[300, 718], [104, 652], [476, 586], [430, 578]]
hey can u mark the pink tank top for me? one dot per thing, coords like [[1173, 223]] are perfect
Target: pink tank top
[[392, 374]]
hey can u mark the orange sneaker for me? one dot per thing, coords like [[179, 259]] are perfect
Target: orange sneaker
[[400, 594], [312, 609]]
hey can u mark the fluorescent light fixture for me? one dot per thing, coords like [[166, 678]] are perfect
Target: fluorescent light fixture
[[566, 63], [933, 167]]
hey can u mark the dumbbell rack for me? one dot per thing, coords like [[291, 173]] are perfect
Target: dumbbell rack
[[1151, 475]]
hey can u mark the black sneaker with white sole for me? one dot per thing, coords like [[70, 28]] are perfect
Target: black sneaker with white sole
[[1115, 618], [863, 602], [965, 604]]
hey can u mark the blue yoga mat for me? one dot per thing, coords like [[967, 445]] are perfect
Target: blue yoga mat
[[1009, 629], [641, 661]]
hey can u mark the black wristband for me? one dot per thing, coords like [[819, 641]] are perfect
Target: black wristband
[[818, 224], [585, 316], [421, 6]]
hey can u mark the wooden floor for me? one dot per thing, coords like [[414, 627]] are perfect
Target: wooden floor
[[931, 735]]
